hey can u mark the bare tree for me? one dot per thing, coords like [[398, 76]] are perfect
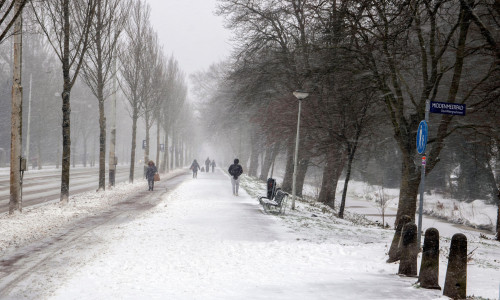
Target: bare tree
[[9, 12], [67, 26], [132, 68], [97, 67], [152, 80]]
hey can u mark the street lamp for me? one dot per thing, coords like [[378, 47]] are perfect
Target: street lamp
[[300, 95]]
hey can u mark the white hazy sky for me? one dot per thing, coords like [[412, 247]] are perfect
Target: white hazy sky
[[190, 31]]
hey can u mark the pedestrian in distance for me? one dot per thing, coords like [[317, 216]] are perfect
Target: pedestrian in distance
[[213, 165], [235, 170], [207, 165], [150, 174], [195, 167]]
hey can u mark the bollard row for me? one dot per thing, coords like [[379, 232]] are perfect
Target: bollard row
[[455, 285]]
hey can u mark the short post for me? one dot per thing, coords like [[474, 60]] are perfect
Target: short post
[[395, 250], [428, 276], [455, 284], [409, 251]]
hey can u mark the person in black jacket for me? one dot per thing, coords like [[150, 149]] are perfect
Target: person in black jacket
[[150, 174], [235, 170], [195, 167]]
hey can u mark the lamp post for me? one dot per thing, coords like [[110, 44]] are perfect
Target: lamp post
[[300, 95]]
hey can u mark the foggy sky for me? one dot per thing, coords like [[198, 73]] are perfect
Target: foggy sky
[[190, 31]]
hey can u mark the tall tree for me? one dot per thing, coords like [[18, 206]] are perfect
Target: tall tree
[[15, 203], [132, 68], [67, 26], [98, 66]]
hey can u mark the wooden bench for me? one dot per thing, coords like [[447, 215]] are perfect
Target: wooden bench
[[277, 203]]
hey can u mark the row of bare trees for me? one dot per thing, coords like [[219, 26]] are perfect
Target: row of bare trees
[[98, 42], [370, 67]]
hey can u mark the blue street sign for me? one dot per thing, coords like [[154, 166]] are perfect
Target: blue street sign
[[143, 144], [447, 108], [422, 137]]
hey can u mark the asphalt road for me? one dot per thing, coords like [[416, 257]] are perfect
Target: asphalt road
[[22, 268], [39, 187]]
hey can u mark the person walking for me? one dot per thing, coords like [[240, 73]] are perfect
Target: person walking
[[235, 170], [213, 165], [207, 165], [195, 167], [150, 174]]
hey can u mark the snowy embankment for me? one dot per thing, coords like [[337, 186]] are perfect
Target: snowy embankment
[[476, 214], [37, 222]]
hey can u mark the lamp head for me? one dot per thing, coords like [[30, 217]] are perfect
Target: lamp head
[[300, 94]]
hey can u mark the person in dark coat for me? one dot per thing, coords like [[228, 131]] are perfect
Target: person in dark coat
[[213, 165], [235, 170], [207, 165], [150, 174], [195, 167]]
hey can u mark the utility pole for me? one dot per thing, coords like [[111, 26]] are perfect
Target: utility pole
[[15, 203]]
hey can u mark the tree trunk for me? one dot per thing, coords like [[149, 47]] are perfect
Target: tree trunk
[[164, 163], [102, 142], [158, 144], [269, 159], [346, 183], [301, 176], [254, 156], [498, 215], [15, 203], [177, 152], [172, 150], [66, 135], [408, 190], [66, 107], [331, 174], [132, 151], [288, 178], [146, 151]]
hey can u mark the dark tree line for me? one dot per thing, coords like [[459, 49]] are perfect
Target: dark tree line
[[370, 66]]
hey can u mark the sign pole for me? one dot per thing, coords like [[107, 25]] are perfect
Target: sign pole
[[422, 182]]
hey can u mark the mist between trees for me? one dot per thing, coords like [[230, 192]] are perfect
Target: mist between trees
[[369, 67], [113, 67]]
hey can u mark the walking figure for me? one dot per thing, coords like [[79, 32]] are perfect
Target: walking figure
[[213, 165], [150, 174], [207, 165], [195, 167], [235, 170]]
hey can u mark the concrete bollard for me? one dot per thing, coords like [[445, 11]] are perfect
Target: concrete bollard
[[395, 250], [428, 276], [455, 284], [409, 251]]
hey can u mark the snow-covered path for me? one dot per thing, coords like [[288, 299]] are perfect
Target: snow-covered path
[[201, 242]]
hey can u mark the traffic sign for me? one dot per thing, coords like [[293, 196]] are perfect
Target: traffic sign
[[162, 147], [447, 108], [422, 137], [143, 144]]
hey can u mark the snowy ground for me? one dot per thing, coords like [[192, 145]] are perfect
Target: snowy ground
[[200, 242]]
